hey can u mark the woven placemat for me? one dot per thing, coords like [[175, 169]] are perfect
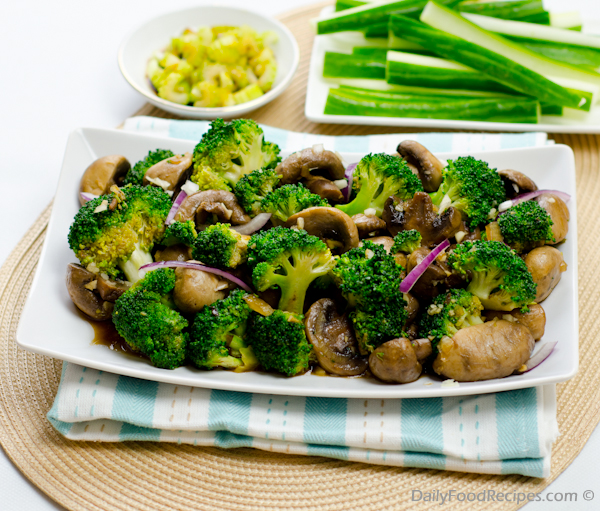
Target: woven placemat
[[150, 476]]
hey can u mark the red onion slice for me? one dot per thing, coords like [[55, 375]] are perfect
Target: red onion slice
[[258, 222], [197, 266], [528, 196], [86, 197], [175, 207], [348, 175], [539, 357], [411, 279]]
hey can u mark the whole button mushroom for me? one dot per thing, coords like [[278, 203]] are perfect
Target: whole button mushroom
[[170, 173], [222, 203], [546, 265], [368, 225], [559, 213], [81, 285], [303, 163], [428, 167], [324, 188], [534, 318], [327, 224], [482, 352], [110, 290], [102, 174], [195, 289], [333, 340], [398, 360]]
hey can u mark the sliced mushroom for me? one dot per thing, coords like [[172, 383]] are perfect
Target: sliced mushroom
[[429, 168], [546, 265], [220, 202], [170, 173], [110, 289], [419, 213], [534, 319], [324, 188], [102, 174], [81, 284], [195, 288], [559, 213], [177, 252], [412, 307], [437, 277], [303, 163], [490, 350], [516, 182], [333, 340], [395, 361], [327, 224], [368, 225]]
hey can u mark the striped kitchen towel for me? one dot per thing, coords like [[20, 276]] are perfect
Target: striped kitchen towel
[[505, 433]]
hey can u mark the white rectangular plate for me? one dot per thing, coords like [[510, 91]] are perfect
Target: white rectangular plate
[[51, 326], [318, 88]]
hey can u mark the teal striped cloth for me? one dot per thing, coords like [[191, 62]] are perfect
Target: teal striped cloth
[[505, 433]]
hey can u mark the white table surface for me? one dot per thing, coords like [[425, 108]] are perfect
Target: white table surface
[[59, 72]]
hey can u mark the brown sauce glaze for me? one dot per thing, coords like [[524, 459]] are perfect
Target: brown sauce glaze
[[105, 334]]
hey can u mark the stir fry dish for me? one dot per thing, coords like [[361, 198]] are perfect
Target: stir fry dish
[[233, 258]]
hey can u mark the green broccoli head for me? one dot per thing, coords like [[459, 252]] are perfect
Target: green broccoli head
[[219, 245], [251, 189], [500, 278], [288, 200], [279, 342], [217, 336], [470, 186], [377, 177], [136, 174], [406, 241], [117, 231], [290, 260], [228, 151], [374, 326], [526, 225], [145, 317], [180, 233], [448, 313]]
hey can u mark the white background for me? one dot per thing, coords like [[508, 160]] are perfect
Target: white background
[[58, 72]]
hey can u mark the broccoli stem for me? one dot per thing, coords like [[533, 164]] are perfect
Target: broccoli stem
[[293, 292], [363, 199], [131, 267]]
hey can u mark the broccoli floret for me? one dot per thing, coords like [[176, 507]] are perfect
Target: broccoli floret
[[180, 232], [217, 336], [220, 245], [290, 260], [376, 177], [279, 342], [288, 200], [525, 225], [448, 313], [145, 317], [117, 231], [229, 151], [251, 189], [136, 174], [406, 241], [369, 279], [500, 278], [470, 186]]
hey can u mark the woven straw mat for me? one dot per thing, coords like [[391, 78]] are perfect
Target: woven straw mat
[[150, 476]]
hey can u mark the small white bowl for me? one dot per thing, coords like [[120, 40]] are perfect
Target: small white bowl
[[156, 34]]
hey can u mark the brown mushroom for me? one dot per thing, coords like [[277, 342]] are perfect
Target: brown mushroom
[[177, 252], [170, 173], [419, 213], [429, 168], [534, 318], [412, 307], [559, 213], [110, 289], [396, 361], [423, 348], [219, 202], [324, 188], [195, 288], [368, 225], [333, 340], [303, 163], [546, 264], [327, 224], [482, 352], [465, 234], [437, 277], [516, 182], [81, 284], [102, 174]]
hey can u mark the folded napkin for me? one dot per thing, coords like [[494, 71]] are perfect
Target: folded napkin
[[505, 433]]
